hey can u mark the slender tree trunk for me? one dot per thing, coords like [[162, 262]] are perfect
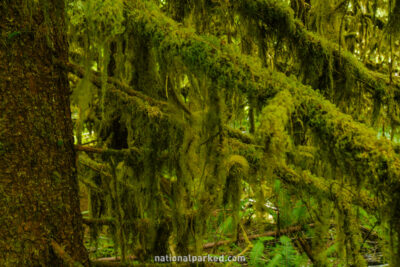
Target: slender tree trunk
[[39, 204]]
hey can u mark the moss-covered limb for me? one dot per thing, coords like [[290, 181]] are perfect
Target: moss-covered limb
[[206, 55], [322, 65], [124, 93], [103, 169], [159, 113], [94, 165], [371, 161], [108, 151], [302, 243], [356, 148], [279, 81], [272, 130], [137, 105], [300, 98], [95, 78], [238, 134], [319, 45], [323, 188], [304, 180], [273, 121], [90, 184], [219, 62], [60, 252], [279, 17]]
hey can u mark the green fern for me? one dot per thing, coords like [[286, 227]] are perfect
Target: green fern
[[286, 255], [256, 254], [276, 261]]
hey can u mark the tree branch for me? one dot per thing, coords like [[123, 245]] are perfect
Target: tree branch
[[273, 14], [251, 237], [90, 149], [98, 221], [60, 252], [96, 80]]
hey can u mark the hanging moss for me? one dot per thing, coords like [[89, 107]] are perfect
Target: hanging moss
[[198, 55], [237, 170], [371, 162], [349, 237], [277, 15], [320, 188], [321, 64], [178, 91], [394, 19]]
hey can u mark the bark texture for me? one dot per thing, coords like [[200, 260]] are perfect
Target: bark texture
[[39, 202]]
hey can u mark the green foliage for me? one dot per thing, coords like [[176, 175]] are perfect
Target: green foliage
[[104, 248], [285, 254], [256, 254]]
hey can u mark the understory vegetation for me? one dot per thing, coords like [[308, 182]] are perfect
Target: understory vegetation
[[258, 128]]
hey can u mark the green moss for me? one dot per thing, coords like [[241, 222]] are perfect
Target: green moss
[[277, 15], [198, 54], [339, 75]]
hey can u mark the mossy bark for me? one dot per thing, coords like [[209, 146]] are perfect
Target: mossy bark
[[39, 203]]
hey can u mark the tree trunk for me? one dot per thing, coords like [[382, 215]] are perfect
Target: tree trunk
[[39, 204]]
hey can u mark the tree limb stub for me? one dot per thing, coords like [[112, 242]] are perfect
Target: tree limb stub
[[60, 252]]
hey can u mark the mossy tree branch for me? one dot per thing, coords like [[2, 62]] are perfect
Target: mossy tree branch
[[109, 151], [279, 18], [324, 188], [95, 78], [216, 63]]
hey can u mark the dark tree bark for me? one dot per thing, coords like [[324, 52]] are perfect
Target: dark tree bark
[[39, 204]]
